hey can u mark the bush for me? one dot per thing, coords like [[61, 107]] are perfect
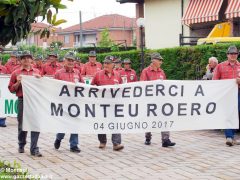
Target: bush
[[5, 57], [179, 63], [104, 49]]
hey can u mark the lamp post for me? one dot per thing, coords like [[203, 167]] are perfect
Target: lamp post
[[140, 24]]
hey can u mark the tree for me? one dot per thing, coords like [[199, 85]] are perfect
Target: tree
[[105, 41], [56, 44], [16, 17]]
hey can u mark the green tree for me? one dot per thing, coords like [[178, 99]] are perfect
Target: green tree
[[16, 17], [56, 44], [105, 40]]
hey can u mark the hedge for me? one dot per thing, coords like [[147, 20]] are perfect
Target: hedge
[[179, 63], [103, 49], [5, 57]]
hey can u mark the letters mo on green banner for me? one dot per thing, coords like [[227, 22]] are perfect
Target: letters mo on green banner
[[10, 106]]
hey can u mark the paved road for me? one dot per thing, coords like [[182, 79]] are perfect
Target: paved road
[[198, 155]]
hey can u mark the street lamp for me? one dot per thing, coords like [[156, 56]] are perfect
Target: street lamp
[[140, 24]]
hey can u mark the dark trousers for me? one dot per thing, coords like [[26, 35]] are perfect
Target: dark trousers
[[165, 136], [22, 135], [116, 138], [73, 139]]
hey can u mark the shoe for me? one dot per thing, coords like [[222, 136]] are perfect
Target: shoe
[[75, 149], [168, 143], [2, 122], [102, 145], [21, 149], [147, 142], [57, 144], [36, 154], [235, 142], [118, 147], [229, 142]]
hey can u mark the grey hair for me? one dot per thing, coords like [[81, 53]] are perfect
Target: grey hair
[[214, 59]]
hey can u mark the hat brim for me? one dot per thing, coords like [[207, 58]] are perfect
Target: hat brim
[[70, 58], [52, 55], [25, 55], [160, 59], [117, 62], [107, 62]]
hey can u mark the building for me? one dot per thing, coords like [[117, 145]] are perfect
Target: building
[[121, 31], [34, 38], [168, 20]]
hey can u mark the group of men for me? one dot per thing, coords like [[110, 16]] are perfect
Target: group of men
[[110, 73]]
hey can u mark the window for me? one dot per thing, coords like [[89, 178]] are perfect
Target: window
[[66, 39]]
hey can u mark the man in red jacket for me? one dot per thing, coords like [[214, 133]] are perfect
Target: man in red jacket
[[154, 72], [38, 63], [3, 69], [230, 69], [108, 76], [92, 66], [52, 66], [70, 74], [127, 72], [15, 86], [12, 62], [117, 64]]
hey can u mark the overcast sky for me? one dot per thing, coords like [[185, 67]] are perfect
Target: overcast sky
[[93, 8]]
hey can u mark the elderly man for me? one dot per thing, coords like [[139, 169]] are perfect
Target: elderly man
[[117, 64], [70, 74], [92, 66], [230, 69], [127, 72], [108, 76], [15, 86], [154, 72], [212, 63], [78, 65], [38, 63], [3, 69], [52, 66], [12, 62]]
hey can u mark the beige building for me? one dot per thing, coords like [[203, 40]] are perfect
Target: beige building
[[163, 23]]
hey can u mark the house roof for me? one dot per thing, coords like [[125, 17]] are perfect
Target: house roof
[[40, 25], [105, 21]]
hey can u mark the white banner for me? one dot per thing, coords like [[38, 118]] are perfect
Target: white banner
[[8, 101], [58, 106]]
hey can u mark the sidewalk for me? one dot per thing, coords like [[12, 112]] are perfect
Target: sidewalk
[[197, 155]]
